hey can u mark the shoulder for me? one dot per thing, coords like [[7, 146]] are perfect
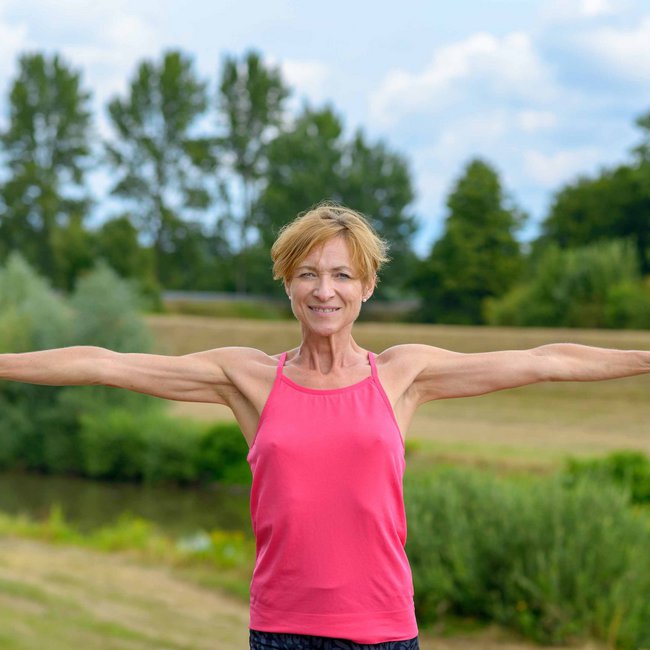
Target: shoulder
[[410, 366], [236, 362], [400, 365], [412, 356]]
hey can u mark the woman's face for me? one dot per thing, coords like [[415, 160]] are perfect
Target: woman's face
[[325, 290]]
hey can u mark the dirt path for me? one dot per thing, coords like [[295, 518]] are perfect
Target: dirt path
[[61, 598]]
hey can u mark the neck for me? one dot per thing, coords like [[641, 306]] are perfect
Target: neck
[[327, 354]]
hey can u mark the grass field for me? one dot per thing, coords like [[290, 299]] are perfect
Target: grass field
[[533, 427]]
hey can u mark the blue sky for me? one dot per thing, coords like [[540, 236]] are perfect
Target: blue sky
[[545, 90]]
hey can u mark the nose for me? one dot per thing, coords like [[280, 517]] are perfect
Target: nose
[[325, 288]]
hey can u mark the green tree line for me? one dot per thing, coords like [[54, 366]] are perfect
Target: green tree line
[[205, 175]]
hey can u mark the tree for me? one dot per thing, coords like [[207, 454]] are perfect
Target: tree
[[160, 162], [477, 257], [116, 242], [44, 201], [612, 205], [377, 182], [312, 162], [251, 106]]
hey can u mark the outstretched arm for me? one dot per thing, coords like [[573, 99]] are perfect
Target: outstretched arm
[[198, 377], [441, 374]]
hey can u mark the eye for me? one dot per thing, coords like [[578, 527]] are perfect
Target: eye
[[344, 275], [306, 273]]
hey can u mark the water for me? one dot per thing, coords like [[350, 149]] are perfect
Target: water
[[91, 504]]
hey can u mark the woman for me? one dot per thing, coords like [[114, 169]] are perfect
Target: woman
[[324, 423]]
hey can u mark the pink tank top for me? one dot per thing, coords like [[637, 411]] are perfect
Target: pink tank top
[[327, 511]]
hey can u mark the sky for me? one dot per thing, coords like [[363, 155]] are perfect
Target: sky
[[543, 90]]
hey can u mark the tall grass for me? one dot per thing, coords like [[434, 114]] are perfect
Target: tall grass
[[554, 561]]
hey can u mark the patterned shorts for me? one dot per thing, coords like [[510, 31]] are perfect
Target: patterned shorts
[[282, 641]]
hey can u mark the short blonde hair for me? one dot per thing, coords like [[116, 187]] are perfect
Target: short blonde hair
[[314, 227]]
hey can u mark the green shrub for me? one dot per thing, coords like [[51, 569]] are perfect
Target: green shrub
[[170, 449], [32, 316], [591, 286], [150, 446], [112, 444], [108, 308], [550, 560], [222, 455], [628, 469], [40, 425]]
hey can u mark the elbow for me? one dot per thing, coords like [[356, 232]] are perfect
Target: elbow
[[546, 364], [102, 366]]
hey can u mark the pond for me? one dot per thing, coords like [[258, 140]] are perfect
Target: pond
[[91, 504]]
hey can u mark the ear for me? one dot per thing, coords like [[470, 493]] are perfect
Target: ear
[[369, 288]]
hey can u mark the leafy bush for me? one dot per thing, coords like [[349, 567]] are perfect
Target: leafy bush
[[32, 316], [39, 425], [592, 286], [222, 455], [553, 561], [108, 309], [149, 446], [628, 469]]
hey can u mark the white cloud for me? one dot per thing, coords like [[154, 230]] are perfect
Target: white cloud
[[624, 51], [591, 8], [549, 170], [532, 121], [482, 65], [565, 11], [308, 77]]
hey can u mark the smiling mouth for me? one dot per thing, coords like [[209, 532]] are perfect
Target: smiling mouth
[[324, 310]]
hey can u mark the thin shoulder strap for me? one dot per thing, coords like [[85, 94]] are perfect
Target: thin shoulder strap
[[373, 367], [283, 356]]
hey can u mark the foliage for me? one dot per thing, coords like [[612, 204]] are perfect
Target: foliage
[[552, 561], [31, 315], [477, 257], [628, 469], [110, 308], [161, 166], [251, 100], [39, 425], [116, 243], [592, 286], [312, 161], [46, 149], [222, 453], [615, 204], [152, 447]]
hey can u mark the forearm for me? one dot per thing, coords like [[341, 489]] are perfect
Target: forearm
[[573, 362], [73, 366]]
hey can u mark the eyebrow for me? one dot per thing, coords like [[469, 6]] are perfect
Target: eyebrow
[[334, 268]]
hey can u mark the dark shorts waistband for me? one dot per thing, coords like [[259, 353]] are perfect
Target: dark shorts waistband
[[283, 641]]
